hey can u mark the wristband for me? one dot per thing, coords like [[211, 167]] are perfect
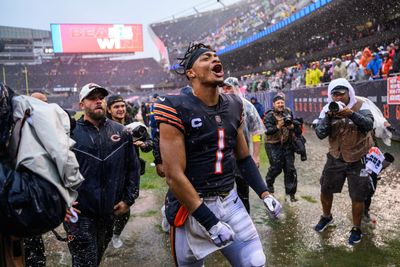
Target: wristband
[[205, 216]]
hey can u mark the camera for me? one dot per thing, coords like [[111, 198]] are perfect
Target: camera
[[335, 106], [139, 132], [287, 120]]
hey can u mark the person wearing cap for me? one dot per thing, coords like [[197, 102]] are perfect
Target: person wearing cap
[[348, 124], [109, 164], [280, 127], [253, 128], [116, 111], [201, 143], [373, 67]]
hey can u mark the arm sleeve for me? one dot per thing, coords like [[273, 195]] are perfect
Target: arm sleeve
[[251, 174], [132, 176], [323, 128]]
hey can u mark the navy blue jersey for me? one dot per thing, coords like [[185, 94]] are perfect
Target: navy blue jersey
[[210, 137]]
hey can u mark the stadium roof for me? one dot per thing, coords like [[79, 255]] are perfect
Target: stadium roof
[[7, 32]]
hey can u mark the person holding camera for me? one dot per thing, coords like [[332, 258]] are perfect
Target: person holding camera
[[281, 127], [348, 122], [116, 111]]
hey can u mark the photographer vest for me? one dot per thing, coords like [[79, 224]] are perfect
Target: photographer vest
[[347, 141], [282, 135]]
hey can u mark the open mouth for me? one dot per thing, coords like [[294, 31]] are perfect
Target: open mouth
[[218, 70]]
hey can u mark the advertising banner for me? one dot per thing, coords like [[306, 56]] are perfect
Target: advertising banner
[[97, 38]]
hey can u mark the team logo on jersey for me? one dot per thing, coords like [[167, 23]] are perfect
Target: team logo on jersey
[[115, 137], [196, 123]]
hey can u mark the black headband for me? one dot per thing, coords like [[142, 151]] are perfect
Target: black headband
[[194, 56]]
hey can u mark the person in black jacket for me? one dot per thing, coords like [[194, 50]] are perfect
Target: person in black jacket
[[110, 166], [117, 111], [280, 127]]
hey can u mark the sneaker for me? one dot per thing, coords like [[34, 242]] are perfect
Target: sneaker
[[293, 198], [117, 242], [323, 223], [355, 235]]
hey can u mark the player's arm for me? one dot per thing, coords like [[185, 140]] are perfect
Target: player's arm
[[251, 174], [172, 147], [247, 166]]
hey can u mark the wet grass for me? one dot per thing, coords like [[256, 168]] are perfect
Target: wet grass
[[309, 199], [150, 180]]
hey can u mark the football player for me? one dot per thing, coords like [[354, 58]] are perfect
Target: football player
[[201, 141]]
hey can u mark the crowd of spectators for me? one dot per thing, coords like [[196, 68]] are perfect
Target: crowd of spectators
[[75, 72], [224, 28], [369, 64]]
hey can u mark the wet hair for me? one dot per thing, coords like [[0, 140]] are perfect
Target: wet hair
[[193, 52]]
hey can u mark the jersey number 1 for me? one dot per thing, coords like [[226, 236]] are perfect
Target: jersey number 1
[[219, 154]]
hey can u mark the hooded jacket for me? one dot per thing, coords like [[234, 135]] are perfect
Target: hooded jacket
[[349, 138], [109, 164]]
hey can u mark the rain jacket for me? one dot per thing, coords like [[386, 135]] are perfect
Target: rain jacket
[[109, 163], [44, 145], [350, 138], [315, 76], [374, 66], [366, 57]]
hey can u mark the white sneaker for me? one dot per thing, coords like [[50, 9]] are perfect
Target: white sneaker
[[117, 242]]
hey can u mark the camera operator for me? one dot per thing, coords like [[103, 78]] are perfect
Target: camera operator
[[278, 145], [116, 110], [349, 127]]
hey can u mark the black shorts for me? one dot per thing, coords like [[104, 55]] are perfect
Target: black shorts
[[335, 173]]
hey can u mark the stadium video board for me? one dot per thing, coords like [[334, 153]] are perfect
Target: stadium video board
[[97, 38]]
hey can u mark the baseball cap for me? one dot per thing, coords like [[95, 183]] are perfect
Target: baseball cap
[[114, 99], [339, 89], [88, 88], [231, 81], [278, 97]]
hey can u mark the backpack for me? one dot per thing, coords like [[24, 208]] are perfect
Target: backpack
[[29, 205]]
